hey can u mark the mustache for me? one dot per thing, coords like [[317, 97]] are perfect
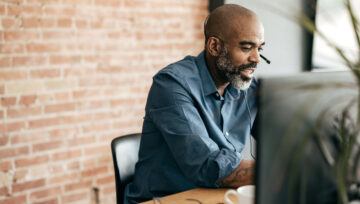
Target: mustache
[[242, 67], [246, 66]]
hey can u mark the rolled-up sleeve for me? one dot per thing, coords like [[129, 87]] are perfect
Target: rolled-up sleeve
[[174, 112]]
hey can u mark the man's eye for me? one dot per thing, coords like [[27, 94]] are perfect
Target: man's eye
[[246, 48], [260, 49]]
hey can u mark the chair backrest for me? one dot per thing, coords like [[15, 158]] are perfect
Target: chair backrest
[[125, 155]]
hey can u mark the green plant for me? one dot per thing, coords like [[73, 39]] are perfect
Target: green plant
[[345, 162]]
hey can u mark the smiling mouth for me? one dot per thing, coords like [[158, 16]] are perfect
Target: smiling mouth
[[247, 73]]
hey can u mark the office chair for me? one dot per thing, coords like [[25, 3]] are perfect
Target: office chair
[[124, 151]]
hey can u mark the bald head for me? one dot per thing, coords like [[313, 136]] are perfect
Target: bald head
[[225, 21]]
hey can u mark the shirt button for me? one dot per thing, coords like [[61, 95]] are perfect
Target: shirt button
[[227, 133]]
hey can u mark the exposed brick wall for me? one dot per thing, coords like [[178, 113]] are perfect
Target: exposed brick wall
[[73, 75]]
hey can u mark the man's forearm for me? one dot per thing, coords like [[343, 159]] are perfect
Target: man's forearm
[[243, 175]]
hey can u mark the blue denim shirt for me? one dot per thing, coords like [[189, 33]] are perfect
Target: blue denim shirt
[[191, 135]]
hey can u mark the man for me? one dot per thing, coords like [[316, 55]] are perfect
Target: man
[[200, 111]]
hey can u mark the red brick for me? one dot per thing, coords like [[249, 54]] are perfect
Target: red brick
[[77, 186], [122, 102], [44, 122], [62, 96], [4, 139], [96, 58], [12, 75], [99, 127], [81, 23], [74, 119], [29, 137], [94, 172], [105, 159], [59, 11], [14, 200], [43, 47], [57, 168], [24, 9], [49, 201], [47, 23], [64, 133], [27, 100], [8, 101], [13, 152], [109, 190], [44, 73], [5, 166], [14, 126], [79, 72], [42, 1], [59, 35], [30, 161], [46, 98], [14, 1], [29, 61], [2, 90], [4, 191], [2, 10], [78, 2], [111, 3], [47, 146], [84, 94], [92, 105], [60, 108], [19, 187], [105, 180], [81, 141], [21, 35], [89, 164], [11, 48], [75, 197], [5, 62], [65, 178], [20, 175], [73, 165], [105, 115], [64, 60], [23, 112], [122, 124], [35, 22], [50, 192], [11, 23], [32, 22], [110, 69], [64, 23], [70, 154]]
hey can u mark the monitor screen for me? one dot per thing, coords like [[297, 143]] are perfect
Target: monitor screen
[[297, 117]]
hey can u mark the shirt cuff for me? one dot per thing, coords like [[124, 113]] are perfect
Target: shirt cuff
[[228, 161]]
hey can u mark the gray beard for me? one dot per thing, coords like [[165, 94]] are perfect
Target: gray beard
[[230, 72]]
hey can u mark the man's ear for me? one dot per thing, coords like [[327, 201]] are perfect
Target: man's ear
[[213, 46]]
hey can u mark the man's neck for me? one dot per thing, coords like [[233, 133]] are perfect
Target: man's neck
[[219, 81]]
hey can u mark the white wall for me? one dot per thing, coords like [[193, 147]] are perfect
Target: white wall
[[283, 37]]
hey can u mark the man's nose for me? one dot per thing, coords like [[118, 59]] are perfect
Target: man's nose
[[255, 56]]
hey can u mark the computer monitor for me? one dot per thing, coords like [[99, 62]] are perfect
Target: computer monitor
[[293, 111]]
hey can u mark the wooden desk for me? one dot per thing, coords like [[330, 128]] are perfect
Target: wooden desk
[[204, 195]]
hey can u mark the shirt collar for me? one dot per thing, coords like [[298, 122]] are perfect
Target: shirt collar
[[233, 92], [207, 80]]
